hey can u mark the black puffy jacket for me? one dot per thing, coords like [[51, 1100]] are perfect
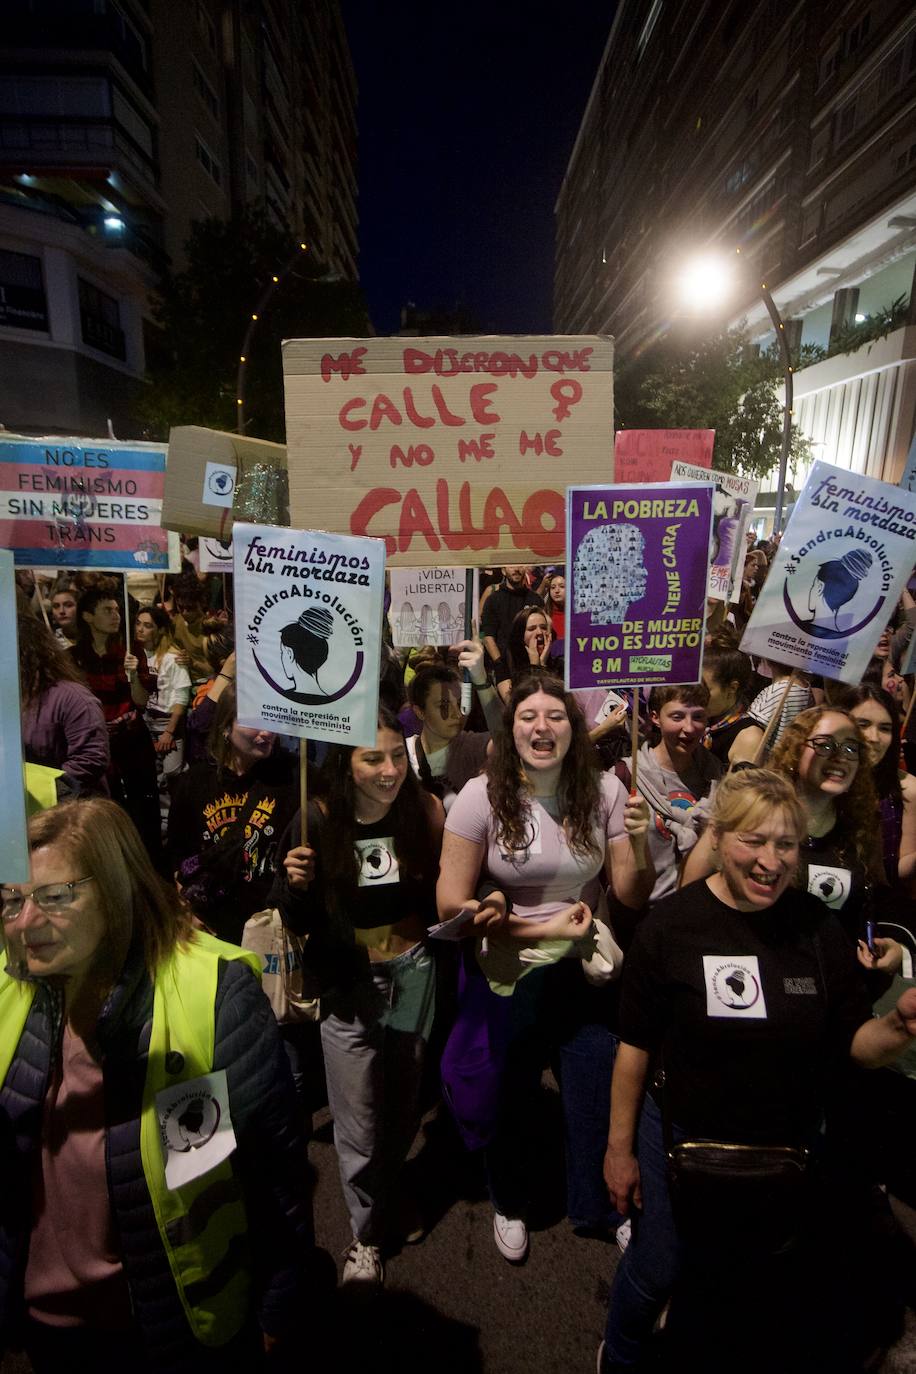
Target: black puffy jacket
[[270, 1161]]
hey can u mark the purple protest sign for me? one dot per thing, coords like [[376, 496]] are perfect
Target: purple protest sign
[[636, 573]]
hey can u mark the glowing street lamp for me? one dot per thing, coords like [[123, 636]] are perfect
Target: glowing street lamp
[[276, 281], [706, 283]]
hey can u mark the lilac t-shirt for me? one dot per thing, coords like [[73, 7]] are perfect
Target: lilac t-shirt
[[547, 872]]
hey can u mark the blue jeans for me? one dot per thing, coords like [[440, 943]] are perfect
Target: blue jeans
[[586, 1067], [652, 1262]]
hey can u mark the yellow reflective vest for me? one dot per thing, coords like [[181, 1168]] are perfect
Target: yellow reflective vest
[[202, 1224]]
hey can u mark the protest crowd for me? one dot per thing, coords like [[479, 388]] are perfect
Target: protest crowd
[[692, 905]]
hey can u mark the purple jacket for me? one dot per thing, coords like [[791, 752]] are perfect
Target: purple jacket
[[64, 728]]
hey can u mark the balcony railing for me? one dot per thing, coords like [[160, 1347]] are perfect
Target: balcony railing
[[43, 142]]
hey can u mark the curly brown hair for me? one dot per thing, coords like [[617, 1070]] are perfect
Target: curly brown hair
[[43, 661], [857, 808], [579, 791]]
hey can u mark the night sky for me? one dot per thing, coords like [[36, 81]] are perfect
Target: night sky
[[465, 129]]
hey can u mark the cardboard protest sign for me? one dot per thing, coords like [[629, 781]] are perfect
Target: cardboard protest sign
[[646, 455], [85, 503], [427, 606], [14, 848], [732, 508], [847, 551], [636, 572], [208, 471], [458, 449], [308, 618]]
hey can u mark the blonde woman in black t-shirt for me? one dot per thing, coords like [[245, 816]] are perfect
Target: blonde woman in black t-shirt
[[363, 890], [742, 989]]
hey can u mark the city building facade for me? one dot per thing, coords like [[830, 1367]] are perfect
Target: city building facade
[[121, 123], [786, 131]]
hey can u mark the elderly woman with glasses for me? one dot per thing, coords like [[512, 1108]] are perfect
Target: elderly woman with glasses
[[824, 754], [155, 1211]]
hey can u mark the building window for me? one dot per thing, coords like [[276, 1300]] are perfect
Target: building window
[[206, 26], [207, 160], [100, 321], [739, 177], [68, 96], [23, 304], [901, 164], [828, 63], [857, 35], [205, 91]]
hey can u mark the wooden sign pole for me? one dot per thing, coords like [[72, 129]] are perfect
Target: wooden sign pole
[[303, 791], [773, 722], [638, 853]]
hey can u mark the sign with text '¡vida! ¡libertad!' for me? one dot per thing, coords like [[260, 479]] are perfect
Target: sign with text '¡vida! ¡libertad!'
[[846, 554], [636, 578], [451, 450], [428, 605], [308, 626], [85, 503]]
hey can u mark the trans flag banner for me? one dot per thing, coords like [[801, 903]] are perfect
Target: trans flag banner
[[85, 503]]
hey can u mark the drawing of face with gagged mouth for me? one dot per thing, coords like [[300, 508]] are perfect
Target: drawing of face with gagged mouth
[[610, 572], [304, 648]]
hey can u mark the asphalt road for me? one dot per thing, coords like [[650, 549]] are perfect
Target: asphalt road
[[452, 1303]]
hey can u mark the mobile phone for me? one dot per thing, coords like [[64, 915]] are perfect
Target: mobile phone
[[870, 931]]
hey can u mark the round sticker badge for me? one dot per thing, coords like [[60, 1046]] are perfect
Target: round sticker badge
[[192, 1121]]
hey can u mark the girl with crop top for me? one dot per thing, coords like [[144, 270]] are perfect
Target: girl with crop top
[[362, 888]]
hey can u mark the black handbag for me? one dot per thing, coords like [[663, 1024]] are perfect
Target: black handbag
[[726, 1196]]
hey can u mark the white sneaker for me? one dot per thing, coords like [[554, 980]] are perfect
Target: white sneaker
[[624, 1234], [363, 1264], [511, 1236]]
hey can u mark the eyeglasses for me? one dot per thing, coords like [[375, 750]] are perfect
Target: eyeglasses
[[50, 897], [826, 746]]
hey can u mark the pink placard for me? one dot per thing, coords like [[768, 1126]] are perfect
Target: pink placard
[[646, 455]]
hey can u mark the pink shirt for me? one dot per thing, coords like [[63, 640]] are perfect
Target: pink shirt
[[546, 872], [74, 1275]]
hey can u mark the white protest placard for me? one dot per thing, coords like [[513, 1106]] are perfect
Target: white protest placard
[[213, 555], [427, 606], [449, 449], [732, 508], [308, 621], [14, 848], [847, 552]]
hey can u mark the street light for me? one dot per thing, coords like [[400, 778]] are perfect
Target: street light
[[705, 283], [261, 306]]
